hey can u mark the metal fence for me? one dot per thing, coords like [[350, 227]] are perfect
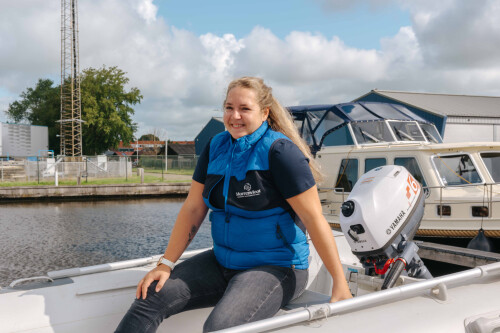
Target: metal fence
[[52, 169], [180, 163]]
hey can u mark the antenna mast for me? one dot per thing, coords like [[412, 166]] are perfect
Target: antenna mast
[[71, 111]]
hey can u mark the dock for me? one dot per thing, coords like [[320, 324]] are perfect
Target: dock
[[78, 192], [456, 255]]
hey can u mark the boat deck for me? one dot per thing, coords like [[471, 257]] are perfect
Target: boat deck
[[93, 300]]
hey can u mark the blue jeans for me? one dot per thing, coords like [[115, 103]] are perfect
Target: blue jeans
[[239, 296]]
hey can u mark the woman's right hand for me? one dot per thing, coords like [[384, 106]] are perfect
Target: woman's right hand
[[189, 219], [160, 273]]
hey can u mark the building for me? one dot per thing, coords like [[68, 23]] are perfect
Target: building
[[211, 129], [459, 118], [155, 148], [23, 140], [181, 148], [141, 148]]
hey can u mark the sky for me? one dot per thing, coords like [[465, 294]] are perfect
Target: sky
[[182, 54]]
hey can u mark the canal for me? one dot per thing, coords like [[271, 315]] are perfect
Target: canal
[[44, 236]]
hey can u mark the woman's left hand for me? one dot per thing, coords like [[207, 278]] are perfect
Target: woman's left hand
[[308, 208]]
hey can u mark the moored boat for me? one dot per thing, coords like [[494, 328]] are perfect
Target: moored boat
[[461, 180]]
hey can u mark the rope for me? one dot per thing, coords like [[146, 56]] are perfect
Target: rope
[[446, 165], [482, 217], [442, 233], [345, 168], [456, 233], [381, 271]]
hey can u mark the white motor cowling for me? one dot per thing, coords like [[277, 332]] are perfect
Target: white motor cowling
[[382, 214]]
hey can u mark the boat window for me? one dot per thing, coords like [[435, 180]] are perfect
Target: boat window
[[299, 124], [372, 163], [306, 133], [410, 163], [410, 114], [456, 170], [431, 133], [386, 111], [357, 112], [315, 117], [348, 174], [330, 121], [492, 162], [371, 132], [406, 131], [340, 137]]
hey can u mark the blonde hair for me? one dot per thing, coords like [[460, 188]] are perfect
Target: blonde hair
[[279, 118]]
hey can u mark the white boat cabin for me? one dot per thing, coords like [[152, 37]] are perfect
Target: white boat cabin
[[461, 180]]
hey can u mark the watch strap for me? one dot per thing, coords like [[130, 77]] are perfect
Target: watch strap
[[166, 262]]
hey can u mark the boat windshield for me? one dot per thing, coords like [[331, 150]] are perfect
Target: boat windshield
[[456, 170], [371, 132], [360, 123], [406, 131], [492, 162], [431, 133]]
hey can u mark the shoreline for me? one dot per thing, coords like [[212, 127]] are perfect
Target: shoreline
[[92, 192]]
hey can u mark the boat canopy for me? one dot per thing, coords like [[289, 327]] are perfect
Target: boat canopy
[[361, 123]]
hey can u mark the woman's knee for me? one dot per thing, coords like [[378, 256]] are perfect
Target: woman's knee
[[164, 303], [216, 324], [171, 297], [144, 315]]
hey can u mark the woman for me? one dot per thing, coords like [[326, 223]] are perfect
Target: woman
[[257, 179]]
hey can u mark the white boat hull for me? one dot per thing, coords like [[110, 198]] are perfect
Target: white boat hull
[[459, 199], [96, 302]]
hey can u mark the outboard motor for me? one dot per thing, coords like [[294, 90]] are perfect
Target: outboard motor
[[379, 220]]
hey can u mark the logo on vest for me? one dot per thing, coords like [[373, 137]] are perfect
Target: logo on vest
[[249, 193]]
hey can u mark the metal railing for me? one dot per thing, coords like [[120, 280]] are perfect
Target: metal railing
[[435, 288], [185, 163], [39, 169], [487, 199]]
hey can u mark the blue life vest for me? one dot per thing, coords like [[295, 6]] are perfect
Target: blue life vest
[[257, 225]]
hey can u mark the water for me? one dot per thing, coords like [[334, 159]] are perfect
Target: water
[[39, 237]]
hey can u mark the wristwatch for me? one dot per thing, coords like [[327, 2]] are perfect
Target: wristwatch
[[166, 262]]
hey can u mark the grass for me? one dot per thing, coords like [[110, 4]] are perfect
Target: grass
[[188, 172], [95, 181], [181, 171]]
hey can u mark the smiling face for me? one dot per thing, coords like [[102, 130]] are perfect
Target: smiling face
[[242, 113]]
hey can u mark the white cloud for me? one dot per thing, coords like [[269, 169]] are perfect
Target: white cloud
[[403, 50], [4, 105], [305, 57], [450, 47], [147, 10], [30, 33], [458, 34]]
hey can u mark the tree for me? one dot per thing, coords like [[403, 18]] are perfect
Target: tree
[[39, 106], [156, 136], [107, 109], [149, 137]]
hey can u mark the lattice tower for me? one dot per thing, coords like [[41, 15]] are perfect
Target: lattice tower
[[71, 111]]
